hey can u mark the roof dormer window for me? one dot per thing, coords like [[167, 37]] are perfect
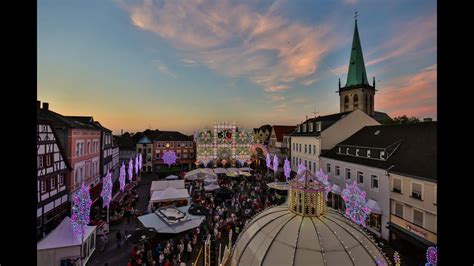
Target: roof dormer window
[[382, 155], [347, 150], [339, 150], [357, 152], [310, 127], [318, 126], [299, 128], [304, 127], [368, 153]]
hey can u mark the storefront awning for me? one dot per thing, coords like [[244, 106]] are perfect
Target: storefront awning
[[336, 189], [374, 206]]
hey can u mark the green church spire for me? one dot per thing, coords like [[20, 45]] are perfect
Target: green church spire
[[356, 74]]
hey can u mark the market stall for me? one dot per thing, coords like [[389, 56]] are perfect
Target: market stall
[[167, 197], [61, 245]]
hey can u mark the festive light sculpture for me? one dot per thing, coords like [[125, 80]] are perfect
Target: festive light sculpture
[[169, 157], [81, 208], [301, 169], [137, 164], [432, 256], [396, 258], [141, 162], [106, 193], [269, 161], [356, 204], [275, 163], [130, 170], [287, 168], [122, 177], [323, 179], [380, 262]]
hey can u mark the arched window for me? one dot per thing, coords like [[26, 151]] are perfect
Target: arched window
[[371, 104], [346, 102], [356, 101]]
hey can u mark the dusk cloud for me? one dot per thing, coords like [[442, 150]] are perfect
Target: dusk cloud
[[236, 40]]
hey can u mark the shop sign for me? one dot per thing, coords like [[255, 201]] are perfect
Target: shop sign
[[416, 231]]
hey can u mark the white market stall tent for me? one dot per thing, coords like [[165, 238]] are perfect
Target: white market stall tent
[[164, 184], [169, 196], [162, 224], [211, 187], [200, 173], [60, 244], [172, 177]]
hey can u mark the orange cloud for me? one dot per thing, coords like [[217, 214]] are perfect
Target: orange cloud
[[411, 94], [233, 39]]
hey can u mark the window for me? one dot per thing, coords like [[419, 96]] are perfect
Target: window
[[347, 150], [346, 102], [304, 127], [375, 221], [356, 101], [299, 148], [435, 192], [299, 128], [139, 150], [328, 168], [53, 182], [348, 173], [40, 161], [337, 170], [382, 155], [185, 155], [309, 149], [88, 147], [61, 179], [300, 160], [368, 153], [305, 163], [418, 217], [48, 159], [305, 148], [179, 145], [78, 147], [399, 209], [339, 150], [172, 144], [314, 166], [357, 152], [374, 182], [397, 185], [314, 149], [360, 177], [318, 126], [416, 191], [310, 166], [191, 155], [310, 127], [149, 150], [43, 186], [178, 155]]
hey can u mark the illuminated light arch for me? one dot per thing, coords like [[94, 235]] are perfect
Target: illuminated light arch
[[254, 147]]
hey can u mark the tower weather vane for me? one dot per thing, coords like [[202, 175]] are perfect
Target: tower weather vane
[[356, 15]]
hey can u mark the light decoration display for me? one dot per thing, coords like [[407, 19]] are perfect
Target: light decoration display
[[380, 262], [106, 192], [140, 161], [301, 169], [396, 258], [137, 164], [275, 163], [432, 256], [130, 170], [323, 179], [268, 161], [169, 158], [356, 204], [81, 208], [123, 175], [223, 141], [287, 168]]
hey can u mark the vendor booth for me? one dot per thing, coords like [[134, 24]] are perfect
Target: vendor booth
[[167, 197], [164, 184], [60, 247]]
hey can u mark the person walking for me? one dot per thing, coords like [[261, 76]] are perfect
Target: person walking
[[189, 250], [118, 236]]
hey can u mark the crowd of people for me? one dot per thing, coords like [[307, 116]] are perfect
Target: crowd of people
[[249, 195]]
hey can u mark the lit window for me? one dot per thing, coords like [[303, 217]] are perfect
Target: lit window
[[53, 182], [43, 186]]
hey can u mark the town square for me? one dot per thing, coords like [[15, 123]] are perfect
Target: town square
[[237, 133]]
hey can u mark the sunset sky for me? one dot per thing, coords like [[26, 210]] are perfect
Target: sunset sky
[[181, 65]]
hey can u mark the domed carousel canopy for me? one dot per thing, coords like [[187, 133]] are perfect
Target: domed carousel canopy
[[277, 236]]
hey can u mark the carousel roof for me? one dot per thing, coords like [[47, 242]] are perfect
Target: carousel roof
[[277, 236]]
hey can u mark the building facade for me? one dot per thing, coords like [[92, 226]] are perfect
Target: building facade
[[145, 147], [279, 141], [183, 146], [323, 133], [396, 166], [52, 168]]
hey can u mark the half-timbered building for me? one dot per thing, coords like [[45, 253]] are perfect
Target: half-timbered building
[[52, 169]]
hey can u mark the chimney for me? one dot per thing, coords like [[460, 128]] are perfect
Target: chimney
[[427, 119], [45, 106], [38, 104], [121, 132]]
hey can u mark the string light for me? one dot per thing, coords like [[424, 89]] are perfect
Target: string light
[[130, 170], [275, 163], [122, 177], [356, 204], [287, 168], [137, 164], [268, 161], [106, 193], [432, 256]]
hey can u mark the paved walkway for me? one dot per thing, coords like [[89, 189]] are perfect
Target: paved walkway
[[119, 256]]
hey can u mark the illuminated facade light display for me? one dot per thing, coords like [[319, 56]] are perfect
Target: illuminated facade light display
[[356, 204], [81, 208], [432, 256], [169, 157], [323, 179], [106, 193], [287, 168], [130, 170], [123, 175]]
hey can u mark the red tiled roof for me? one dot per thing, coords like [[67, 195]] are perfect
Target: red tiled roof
[[282, 130]]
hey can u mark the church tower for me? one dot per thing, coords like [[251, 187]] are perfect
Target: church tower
[[357, 93]]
